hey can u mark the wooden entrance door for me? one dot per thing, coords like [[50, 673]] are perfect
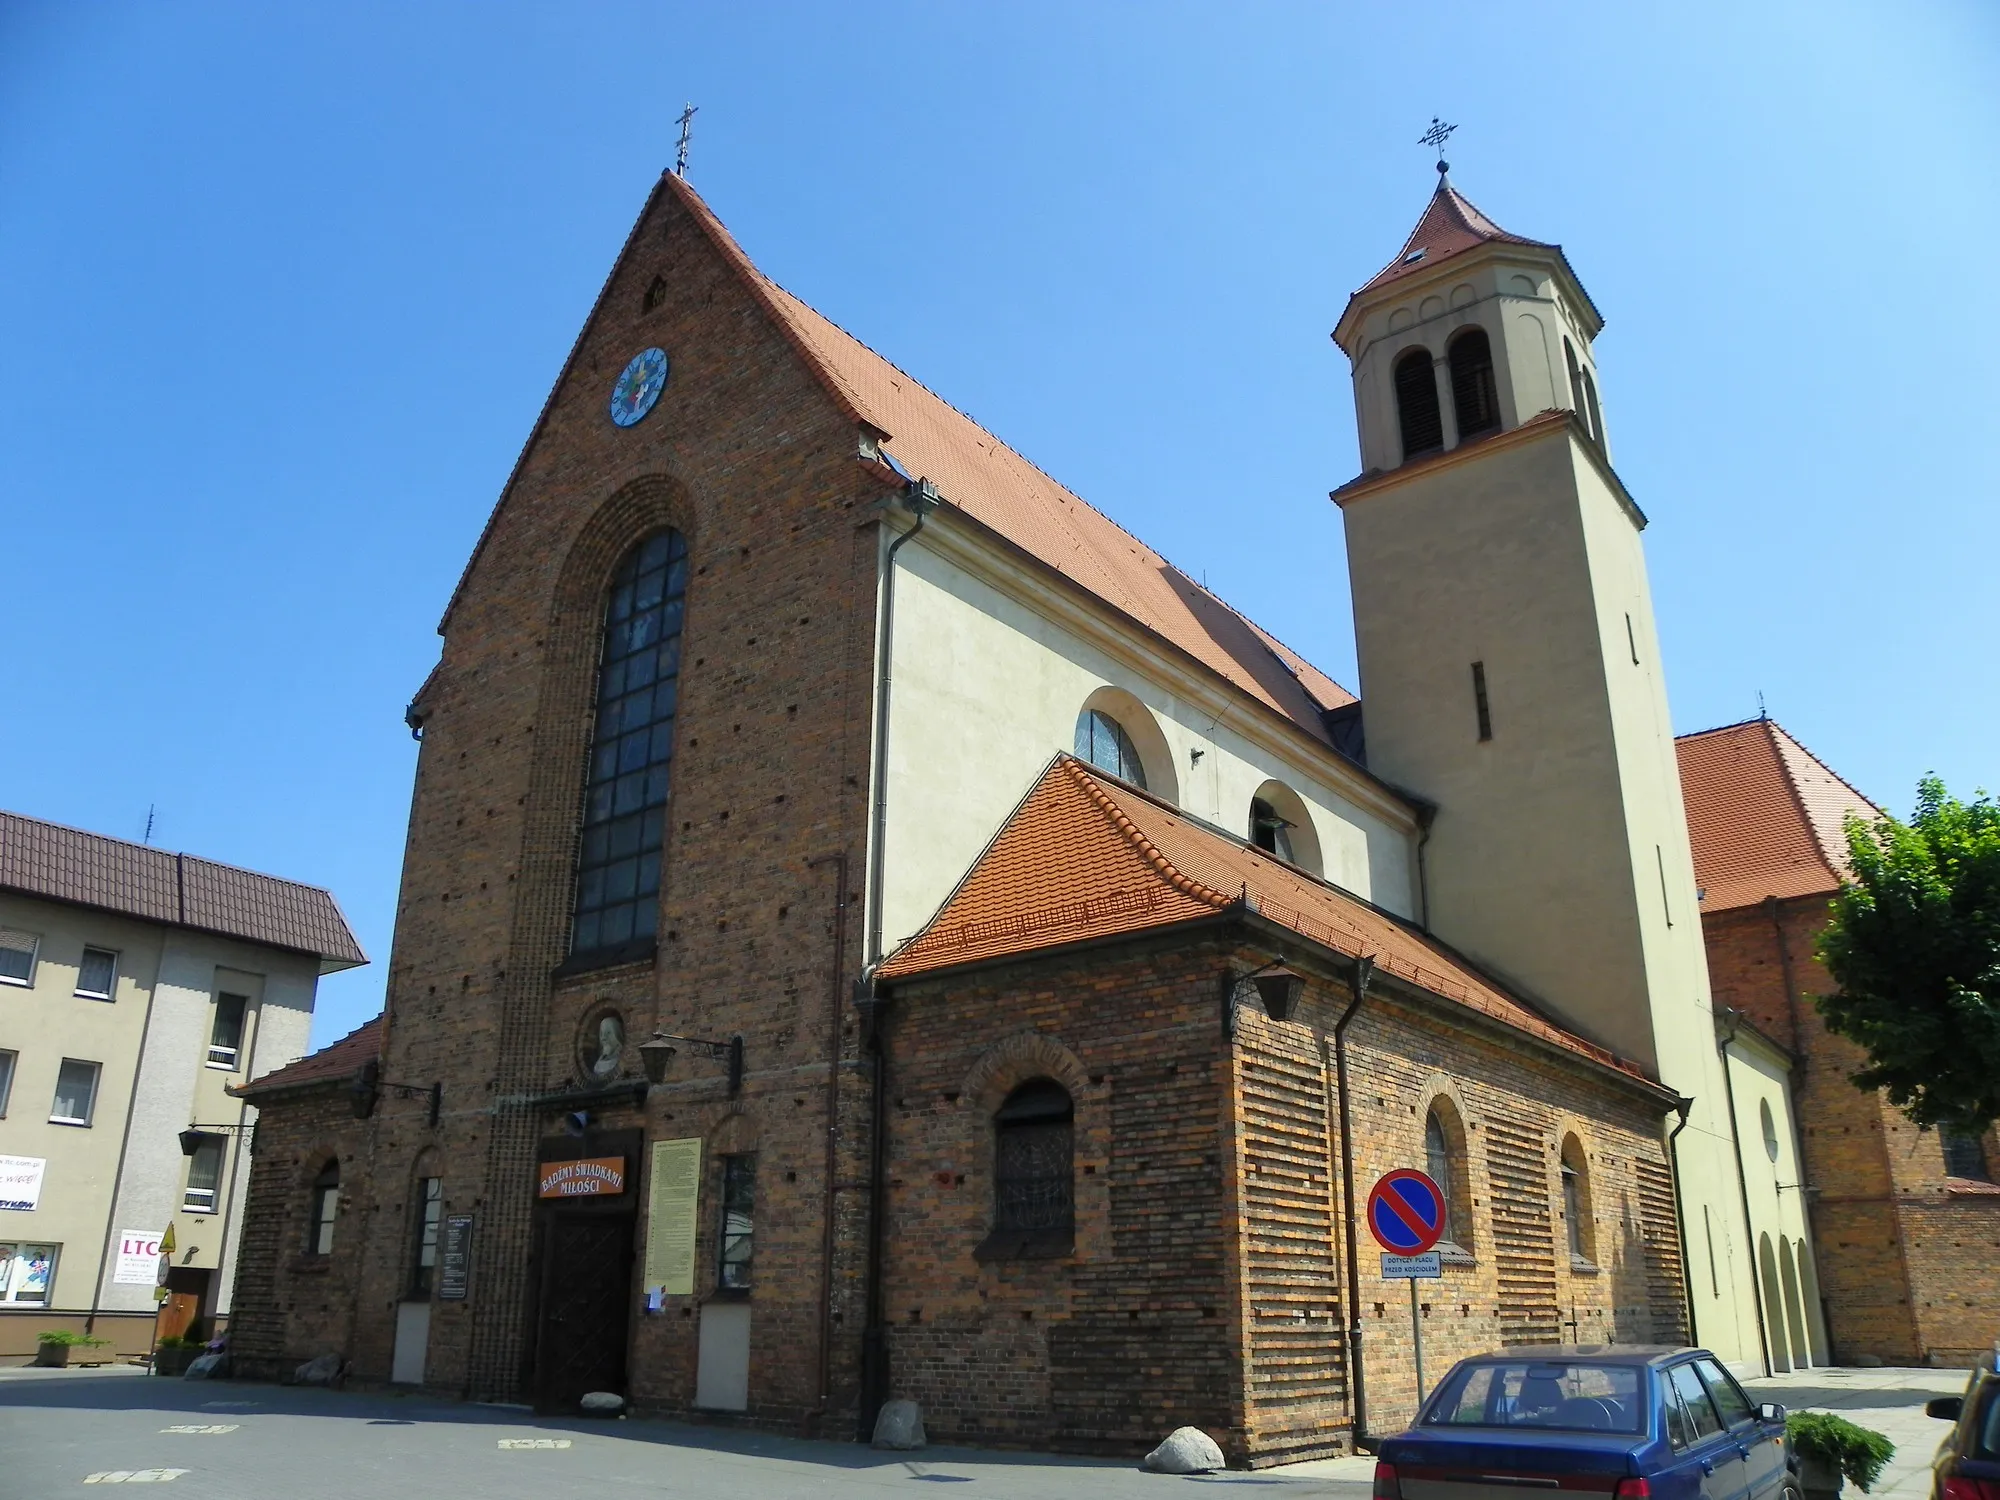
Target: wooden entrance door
[[585, 1306]]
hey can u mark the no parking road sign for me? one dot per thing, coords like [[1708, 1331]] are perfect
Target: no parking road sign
[[1406, 1212]]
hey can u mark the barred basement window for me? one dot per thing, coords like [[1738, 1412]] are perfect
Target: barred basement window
[[1475, 398], [1417, 404], [1034, 1189], [631, 751]]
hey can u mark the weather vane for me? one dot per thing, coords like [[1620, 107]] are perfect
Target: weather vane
[[687, 130], [1436, 136]]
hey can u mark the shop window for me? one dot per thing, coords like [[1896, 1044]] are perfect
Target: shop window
[[617, 902], [97, 974], [76, 1092], [225, 1037], [736, 1242], [1102, 742], [427, 1205], [27, 1273], [204, 1177], [322, 1208]]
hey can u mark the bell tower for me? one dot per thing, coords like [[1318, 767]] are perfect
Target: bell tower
[[1510, 674]]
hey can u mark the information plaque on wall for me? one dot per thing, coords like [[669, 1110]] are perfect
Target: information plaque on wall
[[670, 1215], [455, 1258]]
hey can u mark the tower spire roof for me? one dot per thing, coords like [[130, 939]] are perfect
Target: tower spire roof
[[1451, 224]]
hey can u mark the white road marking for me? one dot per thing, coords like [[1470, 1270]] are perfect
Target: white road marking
[[197, 1427], [133, 1476], [518, 1444]]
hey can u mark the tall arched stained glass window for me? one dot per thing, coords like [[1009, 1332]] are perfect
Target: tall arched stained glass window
[[631, 750]]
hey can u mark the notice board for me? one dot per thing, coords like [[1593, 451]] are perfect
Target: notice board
[[672, 1197]]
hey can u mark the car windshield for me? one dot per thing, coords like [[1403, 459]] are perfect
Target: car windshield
[[1569, 1395], [1986, 1431]]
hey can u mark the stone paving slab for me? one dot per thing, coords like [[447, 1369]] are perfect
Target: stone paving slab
[[1890, 1400]]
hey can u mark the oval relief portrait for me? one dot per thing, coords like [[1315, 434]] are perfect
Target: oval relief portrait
[[600, 1044]]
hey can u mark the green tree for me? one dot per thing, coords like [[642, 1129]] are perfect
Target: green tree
[[1914, 944]]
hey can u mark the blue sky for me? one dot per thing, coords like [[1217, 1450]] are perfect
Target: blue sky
[[283, 287]]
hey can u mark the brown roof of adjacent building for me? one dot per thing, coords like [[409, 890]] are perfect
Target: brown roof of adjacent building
[[986, 480], [1765, 815], [335, 1063], [135, 880], [1085, 856]]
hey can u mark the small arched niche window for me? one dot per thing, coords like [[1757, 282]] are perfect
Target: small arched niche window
[[1769, 1125], [1475, 398], [1281, 825], [1417, 404], [1444, 1163], [1034, 1192], [322, 1208], [1270, 830], [631, 752], [1577, 1225], [656, 293], [1102, 741]]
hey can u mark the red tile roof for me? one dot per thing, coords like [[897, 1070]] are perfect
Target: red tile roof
[[986, 480], [1084, 856], [331, 1064], [157, 885], [1450, 226], [1764, 815]]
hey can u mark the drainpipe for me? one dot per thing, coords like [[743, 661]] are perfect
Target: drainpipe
[[1426, 815], [874, 1336], [920, 498], [1682, 1107], [1743, 1186], [1357, 1385]]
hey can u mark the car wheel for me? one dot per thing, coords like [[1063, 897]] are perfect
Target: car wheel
[[1791, 1491]]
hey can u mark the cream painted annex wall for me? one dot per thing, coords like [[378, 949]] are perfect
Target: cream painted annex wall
[[152, 1042], [989, 671], [1794, 1323]]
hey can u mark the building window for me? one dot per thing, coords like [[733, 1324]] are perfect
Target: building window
[[1102, 741], [322, 1208], [1964, 1155], [1269, 831], [1475, 398], [1577, 1223], [429, 1206], [17, 956], [736, 1242], [1769, 1125], [225, 1038], [7, 1061], [656, 293], [76, 1092], [1444, 1164], [204, 1176], [1033, 1161], [631, 750], [1585, 406], [97, 975], [27, 1273], [1417, 404]]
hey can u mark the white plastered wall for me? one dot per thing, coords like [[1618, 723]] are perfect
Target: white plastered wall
[[1794, 1325], [989, 671]]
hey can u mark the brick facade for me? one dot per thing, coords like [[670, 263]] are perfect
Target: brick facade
[[1908, 1258]]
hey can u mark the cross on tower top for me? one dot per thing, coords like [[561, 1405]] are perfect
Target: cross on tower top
[[1436, 136], [687, 130]]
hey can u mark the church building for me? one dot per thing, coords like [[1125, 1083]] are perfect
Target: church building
[[871, 927]]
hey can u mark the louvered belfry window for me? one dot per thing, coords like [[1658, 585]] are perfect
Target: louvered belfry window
[[1475, 399], [631, 750], [1033, 1166], [1417, 404]]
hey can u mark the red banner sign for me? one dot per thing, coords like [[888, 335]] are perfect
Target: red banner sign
[[592, 1177]]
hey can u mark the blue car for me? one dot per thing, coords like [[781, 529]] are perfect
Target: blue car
[[1626, 1422]]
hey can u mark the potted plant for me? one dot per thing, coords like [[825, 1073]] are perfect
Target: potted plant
[[1830, 1448], [172, 1356], [52, 1348]]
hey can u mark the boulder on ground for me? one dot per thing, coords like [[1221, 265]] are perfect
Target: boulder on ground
[[324, 1370], [602, 1403], [1187, 1450], [900, 1425], [211, 1366]]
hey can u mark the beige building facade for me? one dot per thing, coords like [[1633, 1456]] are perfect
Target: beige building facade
[[136, 985]]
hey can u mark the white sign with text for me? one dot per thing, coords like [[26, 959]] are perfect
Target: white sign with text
[[1426, 1267], [21, 1182], [138, 1257]]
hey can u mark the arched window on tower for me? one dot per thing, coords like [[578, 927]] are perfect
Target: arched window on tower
[[1417, 404], [1102, 741], [631, 751], [1034, 1191], [1582, 393], [1475, 399]]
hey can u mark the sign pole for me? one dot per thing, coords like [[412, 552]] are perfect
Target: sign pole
[[1417, 1339]]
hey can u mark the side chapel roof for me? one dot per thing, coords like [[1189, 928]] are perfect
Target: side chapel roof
[[1084, 856], [1764, 814], [334, 1063]]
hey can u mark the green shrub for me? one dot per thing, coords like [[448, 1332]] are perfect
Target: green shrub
[[171, 1342], [70, 1340], [1858, 1452]]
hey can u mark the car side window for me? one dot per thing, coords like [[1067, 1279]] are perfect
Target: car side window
[[1728, 1396], [1679, 1430], [1688, 1386]]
